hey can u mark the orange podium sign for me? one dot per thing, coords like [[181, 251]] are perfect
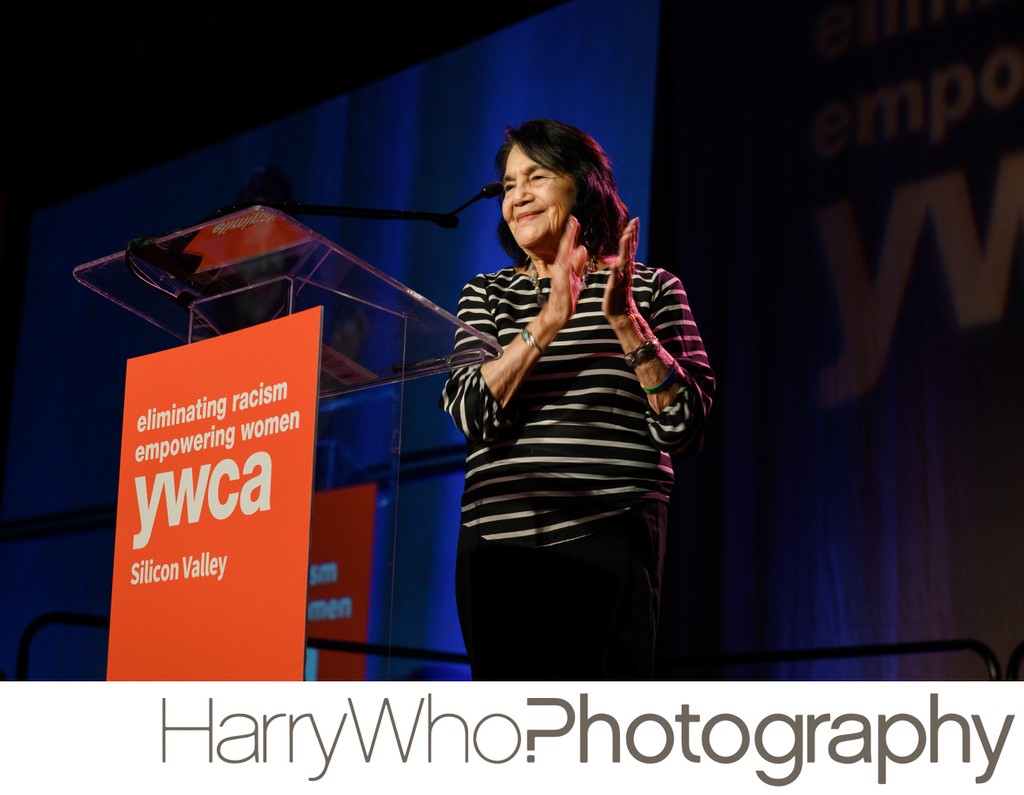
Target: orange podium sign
[[211, 552]]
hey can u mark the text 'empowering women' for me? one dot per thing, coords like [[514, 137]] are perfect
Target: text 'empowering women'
[[208, 424]]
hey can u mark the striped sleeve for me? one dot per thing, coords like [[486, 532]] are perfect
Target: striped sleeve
[[465, 396], [679, 428]]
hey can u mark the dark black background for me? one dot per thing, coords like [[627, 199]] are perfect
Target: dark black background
[[94, 92]]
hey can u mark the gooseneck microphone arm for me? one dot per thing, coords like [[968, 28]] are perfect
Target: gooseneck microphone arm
[[144, 248], [486, 192], [445, 220]]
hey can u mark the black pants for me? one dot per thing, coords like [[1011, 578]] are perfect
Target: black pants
[[581, 610]]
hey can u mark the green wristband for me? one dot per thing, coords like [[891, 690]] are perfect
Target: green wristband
[[673, 374]]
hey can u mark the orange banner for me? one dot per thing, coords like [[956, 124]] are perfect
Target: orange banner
[[340, 569], [211, 551]]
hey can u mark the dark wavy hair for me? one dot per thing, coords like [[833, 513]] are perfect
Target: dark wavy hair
[[569, 151]]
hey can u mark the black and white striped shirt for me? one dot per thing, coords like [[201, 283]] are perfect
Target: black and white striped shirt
[[578, 444]]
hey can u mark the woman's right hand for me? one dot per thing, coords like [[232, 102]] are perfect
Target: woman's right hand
[[504, 374], [566, 276]]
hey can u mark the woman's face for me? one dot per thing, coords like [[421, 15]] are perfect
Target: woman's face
[[536, 205]]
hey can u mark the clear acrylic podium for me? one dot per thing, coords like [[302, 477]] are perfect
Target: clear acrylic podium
[[257, 264]]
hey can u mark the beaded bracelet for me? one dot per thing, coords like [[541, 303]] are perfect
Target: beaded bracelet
[[673, 374], [649, 349], [527, 336]]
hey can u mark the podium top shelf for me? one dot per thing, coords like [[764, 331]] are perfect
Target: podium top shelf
[[258, 263]]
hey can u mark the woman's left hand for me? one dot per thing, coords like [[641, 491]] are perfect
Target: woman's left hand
[[618, 293]]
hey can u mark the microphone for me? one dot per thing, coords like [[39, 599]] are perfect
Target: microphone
[[488, 191], [444, 220]]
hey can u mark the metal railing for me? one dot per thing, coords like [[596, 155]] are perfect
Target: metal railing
[[663, 665], [987, 656], [1016, 660], [39, 623]]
